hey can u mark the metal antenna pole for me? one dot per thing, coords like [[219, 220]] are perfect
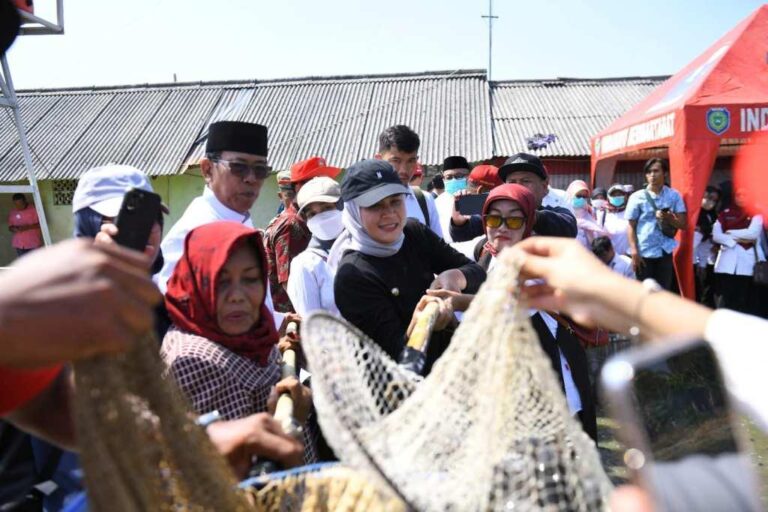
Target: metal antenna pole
[[490, 17]]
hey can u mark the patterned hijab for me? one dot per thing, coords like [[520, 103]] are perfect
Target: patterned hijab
[[191, 296]]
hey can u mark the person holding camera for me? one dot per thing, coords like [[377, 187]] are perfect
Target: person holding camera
[[655, 213]]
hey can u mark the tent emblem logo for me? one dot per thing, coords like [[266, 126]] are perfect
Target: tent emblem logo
[[718, 120]]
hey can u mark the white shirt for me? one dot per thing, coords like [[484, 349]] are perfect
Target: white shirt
[[616, 226], [444, 204], [733, 258], [202, 210], [310, 283], [413, 210], [571, 391], [557, 197], [741, 344], [622, 264], [702, 250]]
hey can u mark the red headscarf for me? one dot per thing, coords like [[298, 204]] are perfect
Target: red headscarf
[[519, 194], [191, 296], [734, 217]]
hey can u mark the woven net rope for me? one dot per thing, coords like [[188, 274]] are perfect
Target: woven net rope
[[488, 429], [141, 450]]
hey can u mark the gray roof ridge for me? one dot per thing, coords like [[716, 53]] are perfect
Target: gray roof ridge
[[570, 80], [457, 73]]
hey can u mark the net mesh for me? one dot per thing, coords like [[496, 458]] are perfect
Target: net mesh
[[141, 450], [488, 429]]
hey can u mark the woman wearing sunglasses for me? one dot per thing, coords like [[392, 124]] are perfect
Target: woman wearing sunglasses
[[387, 262], [508, 217]]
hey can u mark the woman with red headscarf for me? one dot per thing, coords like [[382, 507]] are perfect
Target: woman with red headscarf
[[508, 216], [222, 345]]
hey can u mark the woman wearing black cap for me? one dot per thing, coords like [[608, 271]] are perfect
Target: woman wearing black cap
[[387, 262]]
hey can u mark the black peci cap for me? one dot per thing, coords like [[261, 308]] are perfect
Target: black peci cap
[[455, 162], [237, 136]]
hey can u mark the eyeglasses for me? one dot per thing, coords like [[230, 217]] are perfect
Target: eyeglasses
[[494, 221], [450, 177], [243, 170]]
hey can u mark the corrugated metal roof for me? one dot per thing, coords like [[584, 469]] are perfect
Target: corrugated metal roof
[[69, 132], [161, 128], [341, 118], [572, 109]]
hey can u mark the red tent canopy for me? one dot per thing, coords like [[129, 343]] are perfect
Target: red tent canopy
[[708, 108]]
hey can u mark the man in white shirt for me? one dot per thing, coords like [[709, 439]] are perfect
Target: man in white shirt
[[556, 198], [234, 169], [399, 145], [602, 247]]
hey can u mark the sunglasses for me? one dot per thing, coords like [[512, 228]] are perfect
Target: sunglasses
[[494, 221], [243, 170]]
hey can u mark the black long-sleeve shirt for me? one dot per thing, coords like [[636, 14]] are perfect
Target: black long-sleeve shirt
[[550, 221], [379, 295]]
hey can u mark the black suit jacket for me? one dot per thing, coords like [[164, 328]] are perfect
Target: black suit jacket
[[577, 359]]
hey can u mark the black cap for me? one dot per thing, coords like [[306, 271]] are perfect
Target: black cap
[[455, 162], [370, 181], [237, 136], [599, 191], [9, 24], [522, 162]]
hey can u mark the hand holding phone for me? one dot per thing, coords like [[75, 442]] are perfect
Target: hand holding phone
[[138, 214], [682, 443], [471, 204]]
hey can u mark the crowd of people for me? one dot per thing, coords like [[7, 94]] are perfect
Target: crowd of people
[[374, 249]]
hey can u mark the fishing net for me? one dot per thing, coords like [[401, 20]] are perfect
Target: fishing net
[[141, 450], [488, 429]]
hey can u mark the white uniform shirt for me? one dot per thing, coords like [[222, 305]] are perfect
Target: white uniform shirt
[[733, 258], [202, 210], [413, 210], [616, 226], [622, 264], [741, 344], [310, 283], [571, 391], [444, 204], [556, 197]]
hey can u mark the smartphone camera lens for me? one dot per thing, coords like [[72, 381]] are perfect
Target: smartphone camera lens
[[634, 459]]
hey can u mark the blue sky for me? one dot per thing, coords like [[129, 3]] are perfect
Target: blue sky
[[139, 41]]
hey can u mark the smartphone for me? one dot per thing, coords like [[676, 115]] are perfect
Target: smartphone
[[471, 204], [138, 214], [682, 443]]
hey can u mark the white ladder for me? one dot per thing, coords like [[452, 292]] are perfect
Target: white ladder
[[9, 100]]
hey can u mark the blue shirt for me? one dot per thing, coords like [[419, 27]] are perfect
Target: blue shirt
[[651, 243]]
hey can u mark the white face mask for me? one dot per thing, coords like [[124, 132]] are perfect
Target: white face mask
[[326, 225], [599, 203]]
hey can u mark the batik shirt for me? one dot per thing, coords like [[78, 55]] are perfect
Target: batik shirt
[[285, 238]]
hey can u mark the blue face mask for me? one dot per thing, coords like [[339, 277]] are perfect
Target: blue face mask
[[617, 200], [455, 185], [579, 202]]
